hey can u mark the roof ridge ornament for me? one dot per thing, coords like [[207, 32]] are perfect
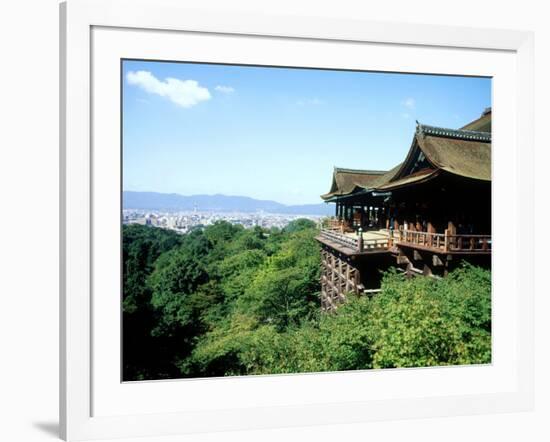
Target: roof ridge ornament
[[462, 134], [419, 128], [360, 171]]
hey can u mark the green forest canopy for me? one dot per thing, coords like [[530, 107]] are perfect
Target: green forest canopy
[[224, 300]]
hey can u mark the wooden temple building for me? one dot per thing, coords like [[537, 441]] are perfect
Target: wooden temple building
[[424, 216]]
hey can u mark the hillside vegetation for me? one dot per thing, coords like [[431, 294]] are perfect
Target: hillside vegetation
[[224, 300]]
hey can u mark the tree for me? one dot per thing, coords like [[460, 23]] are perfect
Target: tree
[[141, 246], [144, 356], [284, 292], [238, 270], [177, 275], [425, 322], [223, 300], [299, 224]]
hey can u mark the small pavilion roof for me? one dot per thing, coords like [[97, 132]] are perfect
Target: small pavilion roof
[[346, 181]]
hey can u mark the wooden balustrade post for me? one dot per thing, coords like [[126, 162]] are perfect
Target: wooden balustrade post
[[412, 233], [431, 229], [360, 242], [446, 243]]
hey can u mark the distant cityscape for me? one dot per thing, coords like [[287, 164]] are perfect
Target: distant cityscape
[[219, 203], [184, 221]]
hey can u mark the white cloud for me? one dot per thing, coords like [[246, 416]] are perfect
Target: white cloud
[[184, 93], [409, 103], [225, 89]]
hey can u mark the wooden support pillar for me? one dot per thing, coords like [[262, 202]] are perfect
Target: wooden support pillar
[[332, 275], [430, 229], [348, 282], [339, 289], [451, 229]]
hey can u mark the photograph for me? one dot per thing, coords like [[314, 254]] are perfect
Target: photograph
[[238, 221], [285, 220]]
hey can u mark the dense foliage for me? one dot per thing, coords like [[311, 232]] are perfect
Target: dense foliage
[[224, 300]]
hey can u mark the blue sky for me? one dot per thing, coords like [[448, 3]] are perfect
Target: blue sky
[[276, 133]]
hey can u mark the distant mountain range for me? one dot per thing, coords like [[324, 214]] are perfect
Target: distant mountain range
[[216, 203]]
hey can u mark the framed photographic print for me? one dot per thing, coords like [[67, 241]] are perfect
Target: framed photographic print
[[288, 221]]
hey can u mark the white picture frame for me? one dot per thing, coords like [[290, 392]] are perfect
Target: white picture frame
[[79, 377]]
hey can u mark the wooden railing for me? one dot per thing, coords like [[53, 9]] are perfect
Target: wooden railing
[[439, 242], [474, 243], [446, 242], [337, 225], [373, 244], [339, 238], [358, 244], [427, 239]]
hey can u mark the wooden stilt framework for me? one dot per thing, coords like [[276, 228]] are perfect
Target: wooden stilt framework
[[338, 278]]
